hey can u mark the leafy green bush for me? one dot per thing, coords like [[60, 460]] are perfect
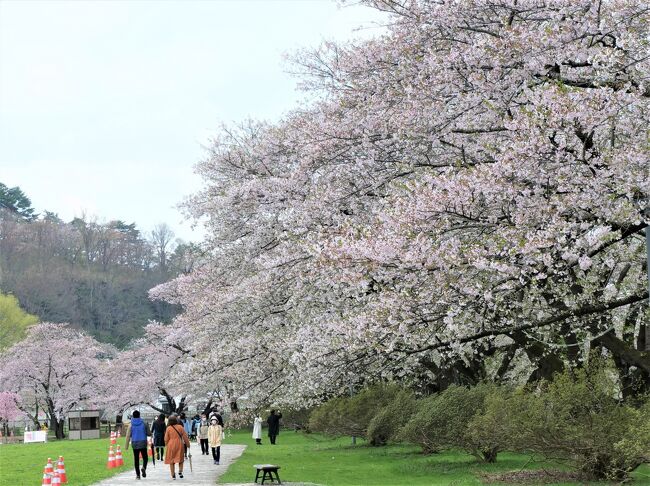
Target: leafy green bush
[[444, 420], [296, 419], [385, 425], [351, 415], [419, 429], [577, 416]]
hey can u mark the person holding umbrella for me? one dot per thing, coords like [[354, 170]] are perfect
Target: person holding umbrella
[[158, 430], [177, 442]]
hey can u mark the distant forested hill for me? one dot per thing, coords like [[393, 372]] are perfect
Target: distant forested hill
[[91, 274]]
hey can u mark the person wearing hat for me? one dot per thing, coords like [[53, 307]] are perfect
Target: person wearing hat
[[215, 432]]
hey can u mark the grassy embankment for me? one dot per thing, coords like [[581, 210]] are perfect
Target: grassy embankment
[[334, 462]]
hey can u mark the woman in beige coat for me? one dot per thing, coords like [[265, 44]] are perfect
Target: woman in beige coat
[[215, 432], [176, 440]]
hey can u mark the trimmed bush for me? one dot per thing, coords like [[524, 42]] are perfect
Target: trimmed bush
[[444, 421], [351, 415], [577, 416], [419, 429], [386, 424]]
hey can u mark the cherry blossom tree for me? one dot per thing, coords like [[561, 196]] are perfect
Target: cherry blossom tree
[[8, 409], [56, 366], [468, 188], [141, 373]]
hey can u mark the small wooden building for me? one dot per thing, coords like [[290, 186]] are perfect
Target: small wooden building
[[83, 424]]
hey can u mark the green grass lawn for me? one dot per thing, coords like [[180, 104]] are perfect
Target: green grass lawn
[[85, 461], [303, 458], [334, 462]]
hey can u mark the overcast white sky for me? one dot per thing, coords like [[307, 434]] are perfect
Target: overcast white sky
[[104, 105]]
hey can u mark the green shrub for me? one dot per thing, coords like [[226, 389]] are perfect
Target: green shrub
[[577, 416], [419, 428], [385, 425], [296, 419], [351, 415], [489, 431], [443, 421]]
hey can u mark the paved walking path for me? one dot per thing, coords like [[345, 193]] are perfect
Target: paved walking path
[[204, 471]]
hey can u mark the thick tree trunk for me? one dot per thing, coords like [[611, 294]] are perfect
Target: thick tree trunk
[[629, 354], [58, 428], [506, 359], [208, 407], [633, 381], [546, 364], [489, 455], [55, 423]]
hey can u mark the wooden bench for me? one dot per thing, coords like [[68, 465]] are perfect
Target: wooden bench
[[267, 471]]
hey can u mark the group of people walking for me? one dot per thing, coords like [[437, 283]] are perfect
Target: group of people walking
[[171, 438], [168, 434]]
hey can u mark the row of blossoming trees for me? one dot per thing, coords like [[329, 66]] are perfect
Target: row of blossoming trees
[[463, 198], [57, 368]]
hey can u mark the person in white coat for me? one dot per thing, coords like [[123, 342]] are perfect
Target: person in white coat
[[257, 430]]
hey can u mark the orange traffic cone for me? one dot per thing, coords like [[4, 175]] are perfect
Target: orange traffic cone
[[119, 461], [56, 480], [49, 468], [60, 468], [119, 433], [47, 479], [113, 438], [111, 459], [149, 449]]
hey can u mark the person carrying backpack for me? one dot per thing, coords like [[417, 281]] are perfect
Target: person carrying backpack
[[137, 433]]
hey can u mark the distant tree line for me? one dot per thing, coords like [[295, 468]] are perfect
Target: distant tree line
[[93, 274]]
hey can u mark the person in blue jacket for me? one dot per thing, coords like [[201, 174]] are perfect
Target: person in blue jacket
[[137, 433], [187, 425]]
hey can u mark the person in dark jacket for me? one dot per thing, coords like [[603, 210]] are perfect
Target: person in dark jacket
[[215, 413], [137, 434], [158, 432], [274, 425]]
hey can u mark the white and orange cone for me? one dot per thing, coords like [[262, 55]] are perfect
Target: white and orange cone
[[60, 468], [119, 461], [113, 438], [49, 468], [56, 480], [47, 479], [119, 433], [111, 459]]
